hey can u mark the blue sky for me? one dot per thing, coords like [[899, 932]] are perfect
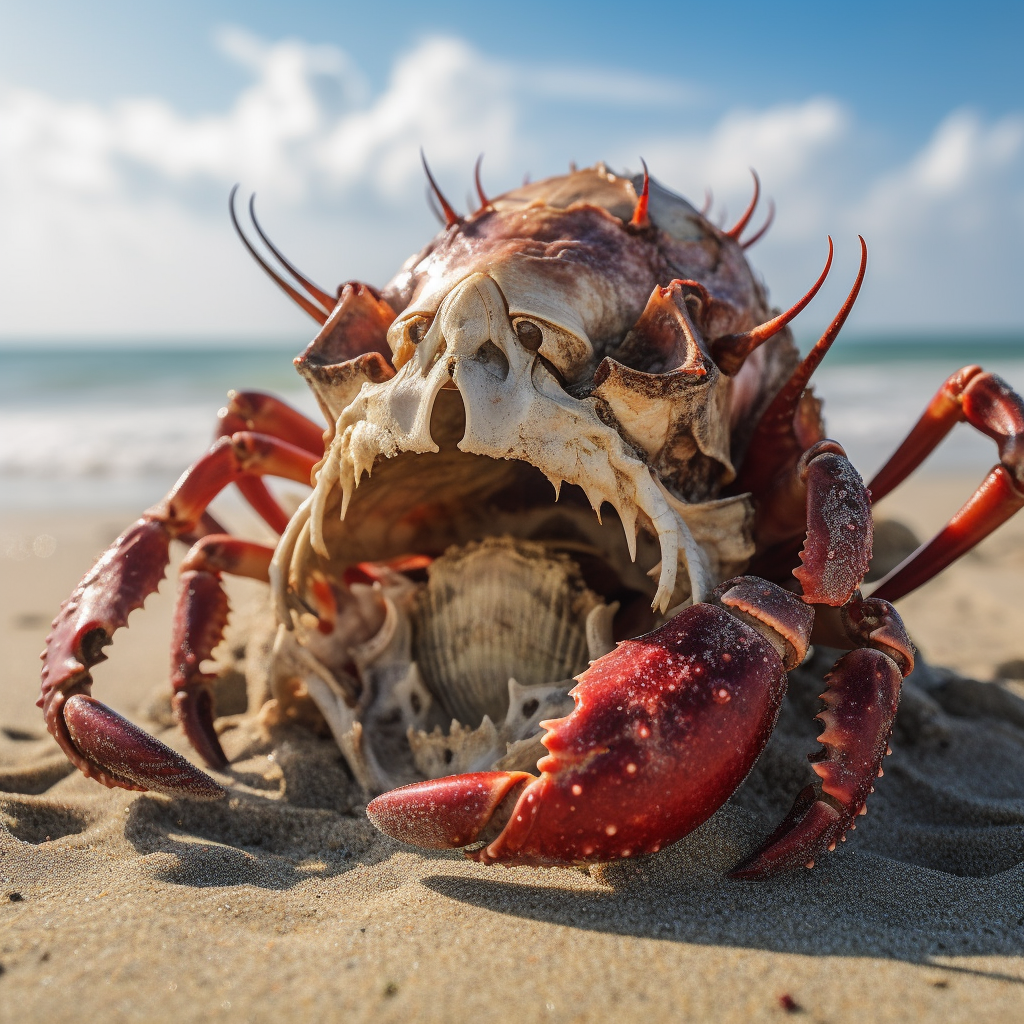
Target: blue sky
[[122, 126]]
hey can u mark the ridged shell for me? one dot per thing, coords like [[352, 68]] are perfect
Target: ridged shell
[[494, 610]]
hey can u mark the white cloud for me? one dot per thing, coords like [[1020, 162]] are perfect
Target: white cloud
[[114, 218], [445, 92], [966, 169]]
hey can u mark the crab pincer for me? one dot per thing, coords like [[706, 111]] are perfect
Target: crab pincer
[[665, 728], [101, 743]]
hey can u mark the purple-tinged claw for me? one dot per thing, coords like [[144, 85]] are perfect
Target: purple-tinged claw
[[129, 754], [199, 620], [784, 620], [860, 707], [837, 551], [128, 572]]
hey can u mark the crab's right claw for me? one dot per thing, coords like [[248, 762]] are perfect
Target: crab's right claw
[[665, 728], [98, 741], [445, 814]]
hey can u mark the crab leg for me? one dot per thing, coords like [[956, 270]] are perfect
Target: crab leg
[[863, 687], [860, 707], [254, 410], [200, 616], [96, 739], [990, 405]]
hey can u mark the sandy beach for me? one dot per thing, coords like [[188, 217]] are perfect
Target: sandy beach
[[283, 902]]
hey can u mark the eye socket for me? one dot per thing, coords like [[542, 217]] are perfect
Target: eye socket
[[413, 331], [530, 335], [417, 329]]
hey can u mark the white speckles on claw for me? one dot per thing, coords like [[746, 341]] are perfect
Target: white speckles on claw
[[577, 789], [631, 768], [722, 695], [610, 830]]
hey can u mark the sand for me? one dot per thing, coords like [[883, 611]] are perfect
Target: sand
[[284, 903]]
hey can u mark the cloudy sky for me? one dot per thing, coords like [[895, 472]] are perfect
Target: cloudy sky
[[124, 124]]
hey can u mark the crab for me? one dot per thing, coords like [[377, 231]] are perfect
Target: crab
[[574, 510]]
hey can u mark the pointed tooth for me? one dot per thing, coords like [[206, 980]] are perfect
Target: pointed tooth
[[596, 500], [365, 456], [316, 531], [346, 496], [326, 479], [662, 599], [627, 516], [282, 560], [556, 483], [668, 538], [651, 498]]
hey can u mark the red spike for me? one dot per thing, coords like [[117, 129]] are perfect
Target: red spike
[[325, 300], [484, 201], [731, 351], [432, 205], [640, 218], [737, 229], [758, 235], [783, 406], [319, 315], [709, 198], [450, 216]]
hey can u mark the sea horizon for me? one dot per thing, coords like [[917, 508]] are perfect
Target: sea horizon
[[112, 424]]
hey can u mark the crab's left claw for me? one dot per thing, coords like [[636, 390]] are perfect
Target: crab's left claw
[[97, 740], [665, 727], [859, 710], [129, 753]]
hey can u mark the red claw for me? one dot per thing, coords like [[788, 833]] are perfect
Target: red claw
[[199, 621], [471, 805], [131, 755], [837, 549], [860, 705], [664, 729]]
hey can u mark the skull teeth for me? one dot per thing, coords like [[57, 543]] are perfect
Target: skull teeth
[[526, 416], [281, 562]]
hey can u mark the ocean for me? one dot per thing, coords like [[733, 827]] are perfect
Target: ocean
[[113, 427]]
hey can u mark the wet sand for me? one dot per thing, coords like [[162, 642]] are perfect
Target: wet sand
[[283, 902]]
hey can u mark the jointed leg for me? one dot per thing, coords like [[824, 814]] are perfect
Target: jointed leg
[[989, 404], [97, 740], [200, 615], [253, 410], [863, 687]]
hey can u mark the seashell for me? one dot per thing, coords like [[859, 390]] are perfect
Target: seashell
[[498, 609], [515, 745]]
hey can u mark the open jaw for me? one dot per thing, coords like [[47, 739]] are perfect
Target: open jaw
[[474, 459]]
